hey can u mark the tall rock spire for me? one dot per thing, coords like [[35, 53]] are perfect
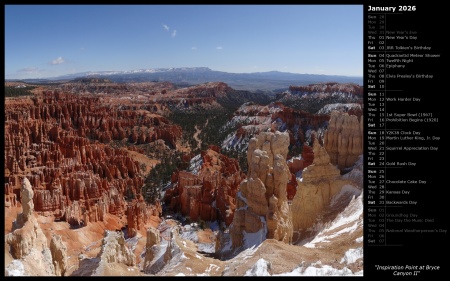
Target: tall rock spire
[[262, 204]]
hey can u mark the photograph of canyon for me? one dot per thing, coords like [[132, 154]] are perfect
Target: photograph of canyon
[[183, 140]]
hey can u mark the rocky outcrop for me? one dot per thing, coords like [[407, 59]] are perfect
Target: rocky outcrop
[[28, 242], [26, 234], [153, 239], [297, 164], [59, 255], [343, 139], [55, 141], [208, 194], [261, 202], [251, 119], [320, 182], [329, 87], [115, 250], [139, 214], [298, 122]]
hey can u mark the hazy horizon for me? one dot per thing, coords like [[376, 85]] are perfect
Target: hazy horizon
[[46, 41]]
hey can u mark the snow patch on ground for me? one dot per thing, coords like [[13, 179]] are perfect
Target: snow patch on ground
[[351, 216], [15, 268], [206, 247], [344, 107], [352, 255], [195, 164], [259, 269], [325, 270], [262, 267]]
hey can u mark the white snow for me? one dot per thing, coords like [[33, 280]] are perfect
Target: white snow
[[351, 216], [189, 234], [206, 247], [247, 253], [259, 269], [195, 164], [208, 270], [256, 238], [352, 255], [347, 191], [325, 270], [344, 107], [15, 268], [351, 213]]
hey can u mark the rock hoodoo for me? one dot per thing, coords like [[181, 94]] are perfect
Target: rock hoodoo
[[115, 250], [208, 194], [60, 142], [321, 181], [261, 202], [344, 139], [28, 242], [153, 239]]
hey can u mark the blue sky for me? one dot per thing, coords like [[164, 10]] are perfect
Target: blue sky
[[52, 40]]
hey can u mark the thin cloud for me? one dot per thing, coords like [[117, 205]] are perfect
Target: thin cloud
[[219, 48], [82, 48], [194, 48], [174, 33], [59, 60], [165, 27], [28, 70]]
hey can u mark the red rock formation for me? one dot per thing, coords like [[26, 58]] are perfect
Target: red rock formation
[[208, 195], [252, 119], [54, 141], [138, 214], [304, 119], [298, 164]]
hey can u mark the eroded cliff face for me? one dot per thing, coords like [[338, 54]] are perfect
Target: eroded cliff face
[[56, 142], [320, 182], [115, 250], [59, 255], [208, 194], [28, 243], [343, 139], [251, 119], [151, 247], [261, 202]]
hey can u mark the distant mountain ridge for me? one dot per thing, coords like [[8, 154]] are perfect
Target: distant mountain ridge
[[269, 82]]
